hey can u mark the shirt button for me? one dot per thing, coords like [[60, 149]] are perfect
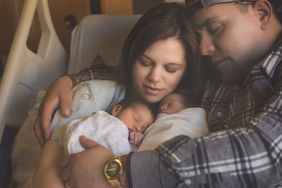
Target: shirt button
[[219, 114], [85, 96], [188, 182]]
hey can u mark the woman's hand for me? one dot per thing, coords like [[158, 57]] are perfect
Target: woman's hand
[[85, 169], [59, 94]]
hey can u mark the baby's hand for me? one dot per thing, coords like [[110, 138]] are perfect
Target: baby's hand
[[135, 138]]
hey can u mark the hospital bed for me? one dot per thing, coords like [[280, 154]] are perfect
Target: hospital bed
[[27, 73]]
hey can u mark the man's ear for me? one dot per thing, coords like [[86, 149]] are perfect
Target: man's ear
[[116, 109], [264, 12]]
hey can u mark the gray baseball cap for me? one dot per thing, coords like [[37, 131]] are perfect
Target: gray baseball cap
[[194, 5]]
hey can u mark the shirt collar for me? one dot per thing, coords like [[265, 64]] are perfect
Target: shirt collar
[[262, 74], [270, 63]]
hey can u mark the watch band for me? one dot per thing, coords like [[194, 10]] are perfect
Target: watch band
[[113, 169], [115, 183]]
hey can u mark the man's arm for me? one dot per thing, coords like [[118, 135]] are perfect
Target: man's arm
[[48, 173], [85, 169], [241, 157], [145, 169]]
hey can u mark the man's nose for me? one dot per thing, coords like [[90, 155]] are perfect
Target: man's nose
[[206, 45]]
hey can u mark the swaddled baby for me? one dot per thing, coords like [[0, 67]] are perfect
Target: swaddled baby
[[174, 119]]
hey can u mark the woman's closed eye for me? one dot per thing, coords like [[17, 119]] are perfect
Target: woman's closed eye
[[145, 62], [172, 68]]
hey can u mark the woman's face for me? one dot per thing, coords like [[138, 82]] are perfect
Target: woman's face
[[158, 71]]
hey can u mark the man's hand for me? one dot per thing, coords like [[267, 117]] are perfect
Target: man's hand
[[59, 94], [86, 169]]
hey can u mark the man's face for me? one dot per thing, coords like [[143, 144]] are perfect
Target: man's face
[[230, 36]]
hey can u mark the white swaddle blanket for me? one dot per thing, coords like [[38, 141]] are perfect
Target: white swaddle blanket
[[88, 97], [190, 122], [101, 127]]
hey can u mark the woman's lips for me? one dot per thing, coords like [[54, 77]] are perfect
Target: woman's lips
[[151, 90]]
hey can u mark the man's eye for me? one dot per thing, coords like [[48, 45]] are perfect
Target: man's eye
[[215, 29]]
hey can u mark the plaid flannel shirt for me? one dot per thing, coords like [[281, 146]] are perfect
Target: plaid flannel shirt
[[244, 147], [97, 70]]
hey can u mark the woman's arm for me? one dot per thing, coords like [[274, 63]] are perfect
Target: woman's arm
[[48, 171], [59, 95]]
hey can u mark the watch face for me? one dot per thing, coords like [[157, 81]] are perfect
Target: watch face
[[112, 169]]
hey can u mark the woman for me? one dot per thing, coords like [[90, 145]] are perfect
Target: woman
[[166, 21], [158, 57]]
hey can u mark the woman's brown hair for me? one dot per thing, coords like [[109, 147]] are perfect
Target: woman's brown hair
[[161, 22]]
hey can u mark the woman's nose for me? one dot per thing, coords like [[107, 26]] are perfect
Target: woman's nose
[[155, 75], [206, 45]]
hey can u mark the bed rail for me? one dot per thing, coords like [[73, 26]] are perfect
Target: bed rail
[[27, 72]]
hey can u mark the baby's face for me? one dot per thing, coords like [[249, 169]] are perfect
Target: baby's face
[[172, 103], [137, 117]]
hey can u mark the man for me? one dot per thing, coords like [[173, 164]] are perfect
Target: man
[[242, 39]]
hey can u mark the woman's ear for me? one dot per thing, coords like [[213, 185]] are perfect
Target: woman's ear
[[116, 109], [264, 12]]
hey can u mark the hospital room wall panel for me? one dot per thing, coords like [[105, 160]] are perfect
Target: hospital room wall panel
[[116, 7], [65, 14], [9, 15]]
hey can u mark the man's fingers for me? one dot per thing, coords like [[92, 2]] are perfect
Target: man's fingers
[[65, 160], [65, 175], [87, 143], [64, 165]]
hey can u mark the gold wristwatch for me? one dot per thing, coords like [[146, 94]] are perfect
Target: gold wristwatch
[[113, 169]]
